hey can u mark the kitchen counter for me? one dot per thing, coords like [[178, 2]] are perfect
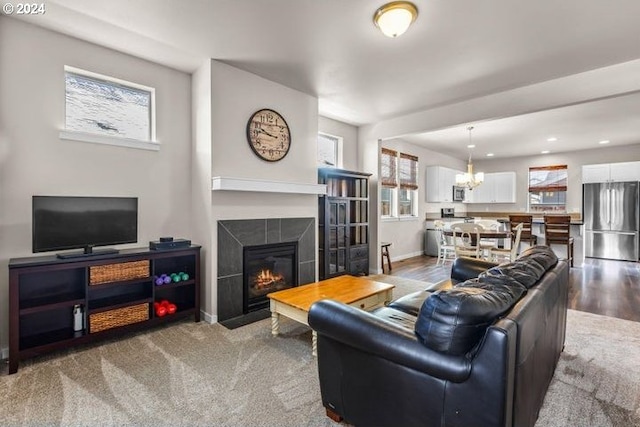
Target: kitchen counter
[[540, 220], [538, 230], [576, 218], [435, 216]]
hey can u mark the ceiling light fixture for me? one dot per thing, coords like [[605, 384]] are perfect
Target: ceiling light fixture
[[606, 141], [394, 18], [545, 152], [490, 154], [552, 139], [469, 180]]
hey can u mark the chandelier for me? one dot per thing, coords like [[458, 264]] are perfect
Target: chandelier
[[469, 180]]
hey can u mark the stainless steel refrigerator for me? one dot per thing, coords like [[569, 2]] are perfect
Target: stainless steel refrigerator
[[610, 214]]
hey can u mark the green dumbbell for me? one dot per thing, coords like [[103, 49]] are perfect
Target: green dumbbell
[[184, 276]]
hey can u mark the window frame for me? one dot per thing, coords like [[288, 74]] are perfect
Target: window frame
[[393, 205], [74, 135], [338, 151]]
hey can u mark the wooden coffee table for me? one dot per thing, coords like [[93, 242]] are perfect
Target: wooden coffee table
[[294, 303]]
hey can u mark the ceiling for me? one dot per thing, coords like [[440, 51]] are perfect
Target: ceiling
[[576, 127], [455, 51]]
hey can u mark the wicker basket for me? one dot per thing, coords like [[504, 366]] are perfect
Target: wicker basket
[[118, 272], [118, 317]]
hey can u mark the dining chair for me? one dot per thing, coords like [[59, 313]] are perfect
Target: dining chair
[[486, 244], [467, 242], [498, 254], [446, 249], [557, 230], [488, 224], [527, 229], [467, 226]]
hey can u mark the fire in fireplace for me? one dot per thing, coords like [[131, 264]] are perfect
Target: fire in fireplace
[[268, 268]]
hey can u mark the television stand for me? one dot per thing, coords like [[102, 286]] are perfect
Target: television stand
[[116, 294], [87, 253]]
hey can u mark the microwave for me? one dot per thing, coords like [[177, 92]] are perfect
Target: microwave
[[458, 194]]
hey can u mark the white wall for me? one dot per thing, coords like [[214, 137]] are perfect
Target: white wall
[[34, 160], [407, 234], [349, 134], [574, 161], [236, 95], [202, 216]]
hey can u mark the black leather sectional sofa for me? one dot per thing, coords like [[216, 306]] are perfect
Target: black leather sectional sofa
[[478, 350]]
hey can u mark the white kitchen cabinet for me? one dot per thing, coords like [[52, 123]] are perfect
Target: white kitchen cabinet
[[504, 187], [625, 171], [498, 187], [608, 172], [595, 173], [440, 182], [482, 193]]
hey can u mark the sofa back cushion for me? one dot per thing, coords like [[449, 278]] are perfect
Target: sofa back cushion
[[543, 255], [528, 268], [464, 268], [453, 321]]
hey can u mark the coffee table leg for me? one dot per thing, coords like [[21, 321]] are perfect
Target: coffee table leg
[[314, 343], [275, 323]]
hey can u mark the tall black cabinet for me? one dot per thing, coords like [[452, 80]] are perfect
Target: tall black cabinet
[[343, 220]]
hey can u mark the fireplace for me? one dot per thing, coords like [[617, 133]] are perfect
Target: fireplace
[[267, 268], [236, 235]]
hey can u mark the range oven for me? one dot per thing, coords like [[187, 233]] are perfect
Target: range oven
[[447, 213]]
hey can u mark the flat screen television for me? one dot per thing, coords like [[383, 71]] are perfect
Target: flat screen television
[[67, 222]]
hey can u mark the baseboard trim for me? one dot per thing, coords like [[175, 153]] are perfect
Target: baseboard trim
[[209, 318], [396, 258], [406, 256]]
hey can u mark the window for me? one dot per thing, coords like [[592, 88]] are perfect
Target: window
[[329, 150], [104, 109], [548, 188], [388, 182], [399, 182], [387, 202]]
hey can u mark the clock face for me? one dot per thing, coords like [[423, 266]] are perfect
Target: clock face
[[268, 135]]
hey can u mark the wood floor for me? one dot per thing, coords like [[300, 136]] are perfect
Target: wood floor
[[610, 288]]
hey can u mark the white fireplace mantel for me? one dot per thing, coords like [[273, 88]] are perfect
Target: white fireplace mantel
[[226, 183]]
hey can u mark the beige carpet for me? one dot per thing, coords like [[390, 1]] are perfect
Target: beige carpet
[[189, 374]]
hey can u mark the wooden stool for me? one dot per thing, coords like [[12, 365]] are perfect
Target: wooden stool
[[527, 229], [557, 230], [385, 253]]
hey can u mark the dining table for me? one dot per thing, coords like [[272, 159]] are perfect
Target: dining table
[[496, 235], [484, 234]]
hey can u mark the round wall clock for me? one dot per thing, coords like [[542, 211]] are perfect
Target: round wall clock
[[268, 135]]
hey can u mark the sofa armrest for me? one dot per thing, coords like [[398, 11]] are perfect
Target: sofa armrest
[[465, 268], [382, 338]]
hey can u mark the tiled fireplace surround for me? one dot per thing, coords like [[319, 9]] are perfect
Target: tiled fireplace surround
[[234, 235]]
